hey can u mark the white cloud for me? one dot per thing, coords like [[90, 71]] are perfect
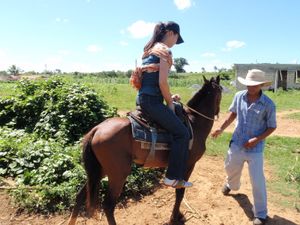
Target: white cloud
[[183, 4], [123, 43], [115, 66], [61, 20], [53, 62], [141, 29], [209, 66], [2, 53], [94, 48], [79, 67], [295, 61], [208, 54], [63, 52], [233, 44], [3, 60]]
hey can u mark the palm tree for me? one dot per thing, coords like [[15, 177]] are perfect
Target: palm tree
[[215, 68]]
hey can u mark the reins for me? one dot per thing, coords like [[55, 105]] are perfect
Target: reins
[[200, 114]]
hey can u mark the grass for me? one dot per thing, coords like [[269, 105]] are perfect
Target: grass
[[219, 146], [285, 100], [117, 91], [7, 89], [293, 116], [279, 154], [280, 157]]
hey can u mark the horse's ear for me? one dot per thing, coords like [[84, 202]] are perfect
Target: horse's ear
[[218, 79], [205, 80]]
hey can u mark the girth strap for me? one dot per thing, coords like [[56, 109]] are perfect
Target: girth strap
[[151, 155]]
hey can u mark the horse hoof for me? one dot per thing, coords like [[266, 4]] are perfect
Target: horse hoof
[[177, 220]]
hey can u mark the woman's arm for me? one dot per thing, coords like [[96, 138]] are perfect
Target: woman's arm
[[163, 83]]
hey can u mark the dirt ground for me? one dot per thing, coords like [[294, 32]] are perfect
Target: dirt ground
[[203, 203]]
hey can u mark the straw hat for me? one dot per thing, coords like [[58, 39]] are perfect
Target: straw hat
[[254, 77]]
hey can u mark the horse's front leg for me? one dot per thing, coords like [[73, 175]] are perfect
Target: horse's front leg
[[177, 217]]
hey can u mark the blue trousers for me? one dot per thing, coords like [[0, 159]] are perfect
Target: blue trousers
[[160, 113]]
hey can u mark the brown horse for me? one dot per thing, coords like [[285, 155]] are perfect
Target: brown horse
[[109, 150]]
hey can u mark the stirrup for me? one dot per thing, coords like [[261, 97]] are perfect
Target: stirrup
[[177, 183]]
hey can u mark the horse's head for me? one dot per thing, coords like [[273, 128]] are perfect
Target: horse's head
[[216, 90], [208, 96]]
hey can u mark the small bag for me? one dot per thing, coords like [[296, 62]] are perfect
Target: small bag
[[136, 78]]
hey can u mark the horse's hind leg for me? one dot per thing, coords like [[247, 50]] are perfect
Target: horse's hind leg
[[80, 200], [115, 187]]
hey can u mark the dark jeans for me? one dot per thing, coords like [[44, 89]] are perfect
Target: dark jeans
[[163, 115]]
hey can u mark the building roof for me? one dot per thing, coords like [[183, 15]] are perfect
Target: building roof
[[270, 66]]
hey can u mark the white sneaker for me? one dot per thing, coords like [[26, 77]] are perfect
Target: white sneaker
[[177, 183]]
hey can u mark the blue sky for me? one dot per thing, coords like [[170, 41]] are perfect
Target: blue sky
[[98, 35]]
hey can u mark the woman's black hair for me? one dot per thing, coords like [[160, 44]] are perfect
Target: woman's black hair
[[158, 34]]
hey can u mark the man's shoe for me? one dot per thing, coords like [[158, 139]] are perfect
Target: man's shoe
[[225, 190], [259, 221]]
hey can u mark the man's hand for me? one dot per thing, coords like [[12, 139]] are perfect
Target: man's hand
[[216, 133], [251, 143]]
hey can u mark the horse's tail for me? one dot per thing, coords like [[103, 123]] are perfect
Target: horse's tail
[[93, 171]]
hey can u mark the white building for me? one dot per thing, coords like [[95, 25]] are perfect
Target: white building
[[283, 76]]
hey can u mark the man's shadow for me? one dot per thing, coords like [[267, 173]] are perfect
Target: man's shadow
[[246, 205]]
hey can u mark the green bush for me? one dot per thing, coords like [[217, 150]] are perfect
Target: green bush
[[48, 173], [54, 108], [40, 132]]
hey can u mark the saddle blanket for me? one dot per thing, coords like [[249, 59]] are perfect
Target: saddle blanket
[[141, 133]]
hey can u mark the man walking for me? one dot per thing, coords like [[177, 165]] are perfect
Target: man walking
[[256, 120]]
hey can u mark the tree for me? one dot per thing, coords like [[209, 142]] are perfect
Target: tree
[[203, 70], [3, 73], [179, 63], [14, 70], [57, 71]]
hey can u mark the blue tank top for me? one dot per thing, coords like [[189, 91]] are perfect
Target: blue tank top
[[150, 81]]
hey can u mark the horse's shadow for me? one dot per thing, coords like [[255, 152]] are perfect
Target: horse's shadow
[[246, 205]]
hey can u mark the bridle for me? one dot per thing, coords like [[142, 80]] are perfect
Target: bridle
[[200, 114], [217, 85]]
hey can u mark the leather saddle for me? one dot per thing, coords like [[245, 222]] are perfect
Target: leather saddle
[[145, 130]]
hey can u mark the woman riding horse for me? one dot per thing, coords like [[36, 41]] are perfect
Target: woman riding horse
[[109, 150]]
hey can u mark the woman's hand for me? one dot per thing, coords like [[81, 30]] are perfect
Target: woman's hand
[[176, 97]]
